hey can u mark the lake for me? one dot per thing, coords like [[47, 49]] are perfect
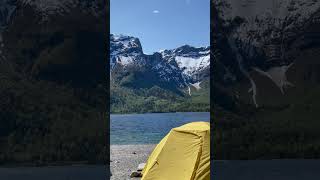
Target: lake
[[149, 128]]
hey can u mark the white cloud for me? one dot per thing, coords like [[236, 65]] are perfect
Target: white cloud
[[156, 11]]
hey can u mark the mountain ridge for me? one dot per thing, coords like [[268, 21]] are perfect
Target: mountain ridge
[[265, 90], [181, 72], [186, 60]]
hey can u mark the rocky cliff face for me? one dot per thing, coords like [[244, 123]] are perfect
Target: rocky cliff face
[[176, 68], [265, 75], [260, 46]]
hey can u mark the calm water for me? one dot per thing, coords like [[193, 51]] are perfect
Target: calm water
[[149, 128]]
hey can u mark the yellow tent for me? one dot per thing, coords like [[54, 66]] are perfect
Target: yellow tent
[[183, 154]]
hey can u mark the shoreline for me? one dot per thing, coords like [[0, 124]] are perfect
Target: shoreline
[[125, 158], [143, 113]]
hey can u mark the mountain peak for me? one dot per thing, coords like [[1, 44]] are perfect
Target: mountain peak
[[180, 66]]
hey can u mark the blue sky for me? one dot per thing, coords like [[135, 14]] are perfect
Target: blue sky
[[162, 24]]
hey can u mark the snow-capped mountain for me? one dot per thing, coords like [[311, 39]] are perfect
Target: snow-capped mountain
[[190, 60], [266, 76], [178, 67], [257, 44], [125, 50]]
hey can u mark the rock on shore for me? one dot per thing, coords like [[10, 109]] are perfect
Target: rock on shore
[[126, 158]]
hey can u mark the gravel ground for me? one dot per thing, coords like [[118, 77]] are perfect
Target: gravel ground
[[126, 158]]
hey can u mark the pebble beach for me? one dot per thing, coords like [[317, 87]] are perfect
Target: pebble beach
[[126, 158]]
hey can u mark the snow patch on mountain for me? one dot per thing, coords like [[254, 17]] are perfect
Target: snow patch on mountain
[[190, 65], [196, 85], [124, 50], [125, 42], [181, 66], [278, 76], [190, 60], [123, 60], [259, 39]]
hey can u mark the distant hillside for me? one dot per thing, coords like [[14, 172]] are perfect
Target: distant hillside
[[166, 81]]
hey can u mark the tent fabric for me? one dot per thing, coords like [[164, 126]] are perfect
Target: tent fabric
[[183, 154]]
